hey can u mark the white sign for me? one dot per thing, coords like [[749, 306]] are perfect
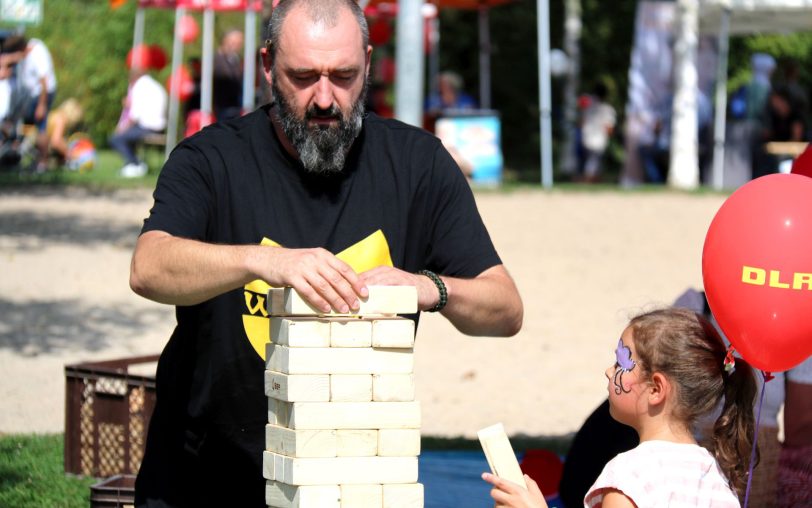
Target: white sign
[[21, 11]]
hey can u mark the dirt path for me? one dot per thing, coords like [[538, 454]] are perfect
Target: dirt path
[[584, 263]]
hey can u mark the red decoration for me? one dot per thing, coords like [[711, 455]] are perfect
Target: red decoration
[[140, 57], [157, 57], [181, 84], [380, 32], [757, 270], [546, 468], [188, 29], [803, 164]]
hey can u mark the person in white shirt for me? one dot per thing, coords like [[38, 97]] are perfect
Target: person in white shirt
[[38, 79], [144, 114]]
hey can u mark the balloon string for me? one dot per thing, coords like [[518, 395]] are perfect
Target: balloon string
[[755, 441]]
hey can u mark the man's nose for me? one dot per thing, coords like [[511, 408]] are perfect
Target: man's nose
[[324, 93]]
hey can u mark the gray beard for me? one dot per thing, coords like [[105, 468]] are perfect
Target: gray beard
[[322, 150]]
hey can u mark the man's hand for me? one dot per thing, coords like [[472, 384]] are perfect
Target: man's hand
[[322, 279], [510, 495], [427, 293]]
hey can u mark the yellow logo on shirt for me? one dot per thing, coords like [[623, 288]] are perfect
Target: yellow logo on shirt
[[365, 255]]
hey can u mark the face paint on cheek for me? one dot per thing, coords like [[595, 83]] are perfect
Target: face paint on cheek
[[624, 363]]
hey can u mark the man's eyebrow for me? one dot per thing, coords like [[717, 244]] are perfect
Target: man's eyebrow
[[306, 70]]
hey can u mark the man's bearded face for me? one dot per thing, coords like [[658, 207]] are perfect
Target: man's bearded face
[[322, 147]]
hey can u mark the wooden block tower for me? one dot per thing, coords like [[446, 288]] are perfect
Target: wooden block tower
[[344, 428]]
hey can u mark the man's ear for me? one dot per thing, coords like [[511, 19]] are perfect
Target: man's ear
[[267, 64], [368, 61], [659, 388]]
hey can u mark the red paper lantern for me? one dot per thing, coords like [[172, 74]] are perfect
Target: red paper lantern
[[380, 32], [157, 57], [180, 84], [188, 29], [140, 57]]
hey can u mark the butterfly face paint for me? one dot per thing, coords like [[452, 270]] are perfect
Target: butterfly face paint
[[624, 363]]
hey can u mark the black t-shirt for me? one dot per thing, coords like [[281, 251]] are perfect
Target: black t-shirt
[[233, 183]]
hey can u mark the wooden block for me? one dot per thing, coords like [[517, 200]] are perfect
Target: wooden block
[[350, 388], [354, 415], [393, 332], [268, 462], [350, 332], [382, 301], [361, 496], [297, 387], [408, 495], [278, 412], [301, 443], [399, 442], [282, 495], [331, 360], [356, 443], [500, 455], [346, 470], [393, 387], [300, 332]]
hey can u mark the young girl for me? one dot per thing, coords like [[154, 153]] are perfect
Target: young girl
[[671, 368]]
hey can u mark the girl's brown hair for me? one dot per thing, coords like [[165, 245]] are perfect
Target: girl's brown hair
[[688, 350]]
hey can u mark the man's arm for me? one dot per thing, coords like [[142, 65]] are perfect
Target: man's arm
[[180, 271], [488, 304]]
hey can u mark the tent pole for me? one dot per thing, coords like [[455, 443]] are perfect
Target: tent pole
[[484, 57], [409, 63], [138, 37], [174, 99], [719, 125], [207, 68], [546, 130], [250, 59]]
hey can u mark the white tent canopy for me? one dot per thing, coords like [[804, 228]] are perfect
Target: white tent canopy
[[738, 17], [756, 16]]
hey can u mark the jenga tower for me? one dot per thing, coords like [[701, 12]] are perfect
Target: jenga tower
[[344, 428]]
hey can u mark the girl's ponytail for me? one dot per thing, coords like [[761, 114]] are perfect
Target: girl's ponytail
[[734, 430]]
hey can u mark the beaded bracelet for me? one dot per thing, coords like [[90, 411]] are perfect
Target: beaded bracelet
[[440, 287]]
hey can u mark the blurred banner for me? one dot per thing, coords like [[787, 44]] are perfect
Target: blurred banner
[[21, 11]]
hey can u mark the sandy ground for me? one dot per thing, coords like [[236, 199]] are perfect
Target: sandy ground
[[584, 263]]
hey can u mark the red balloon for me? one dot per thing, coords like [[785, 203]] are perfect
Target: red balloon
[[189, 29], [757, 270], [803, 164], [181, 84], [140, 56], [157, 57]]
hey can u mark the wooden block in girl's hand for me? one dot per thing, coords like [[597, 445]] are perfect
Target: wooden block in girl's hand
[[300, 332], [339, 360], [500, 455], [282, 495], [382, 301]]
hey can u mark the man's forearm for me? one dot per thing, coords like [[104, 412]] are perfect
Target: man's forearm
[[488, 304], [180, 271]]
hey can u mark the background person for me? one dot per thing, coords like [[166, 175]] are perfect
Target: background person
[[38, 78], [144, 113], [312, 173], [228, 76], [61, 123]]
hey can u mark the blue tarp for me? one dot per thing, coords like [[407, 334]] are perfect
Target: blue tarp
[[451, 479]]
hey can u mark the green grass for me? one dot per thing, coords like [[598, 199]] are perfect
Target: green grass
[[104, 175], [32, 474]]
